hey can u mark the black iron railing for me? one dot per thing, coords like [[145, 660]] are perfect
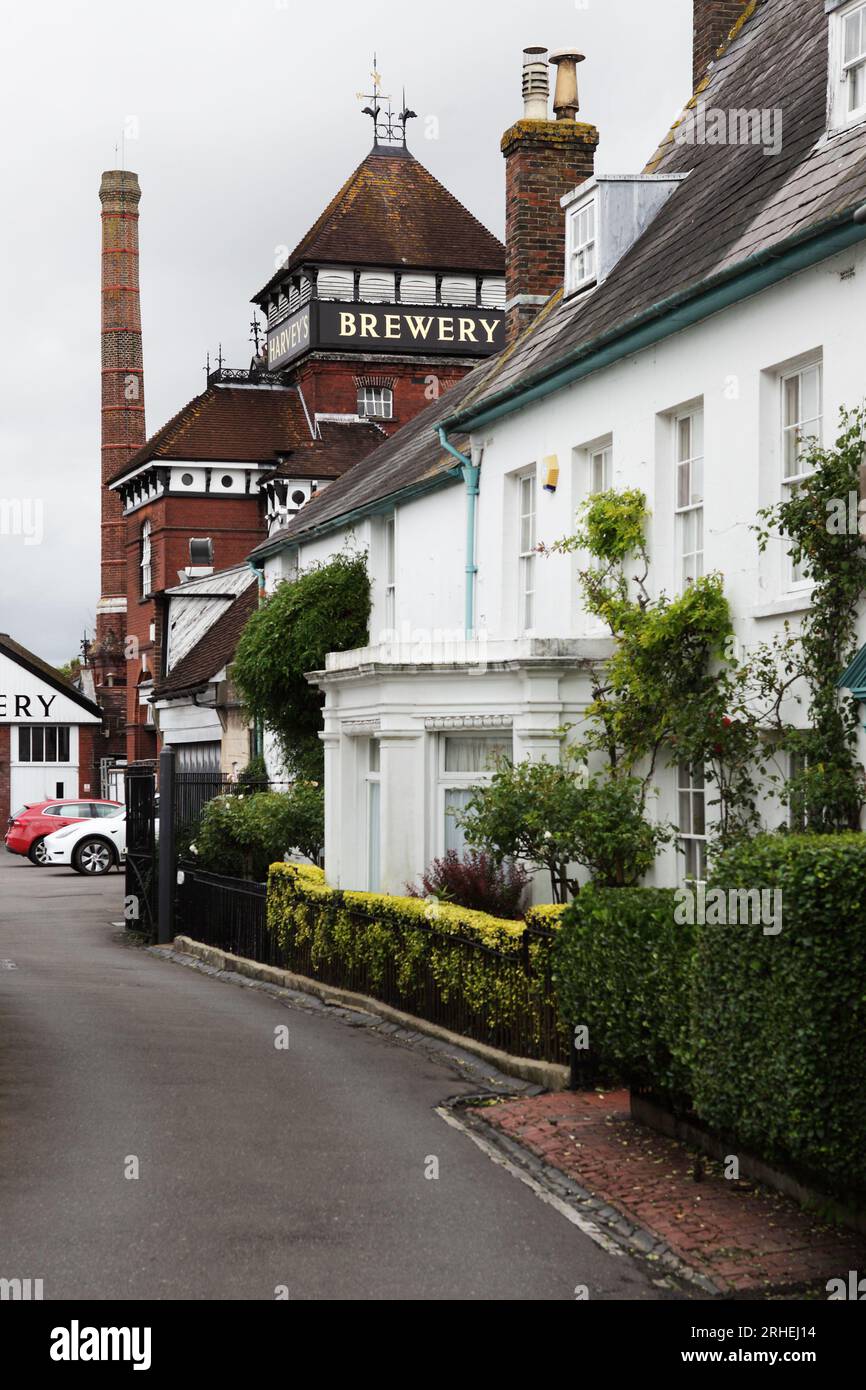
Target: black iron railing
[[231, 915]]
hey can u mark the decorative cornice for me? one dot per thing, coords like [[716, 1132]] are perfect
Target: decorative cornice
[[437, 723]]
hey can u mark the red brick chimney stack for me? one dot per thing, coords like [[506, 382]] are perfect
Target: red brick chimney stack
[[544, 159], [123, 429], [713, 22]]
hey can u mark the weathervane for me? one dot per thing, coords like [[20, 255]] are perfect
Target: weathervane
[[255, 330], [388, 128]]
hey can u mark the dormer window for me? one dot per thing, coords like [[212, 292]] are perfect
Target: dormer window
[[848, 65], [581, 268]]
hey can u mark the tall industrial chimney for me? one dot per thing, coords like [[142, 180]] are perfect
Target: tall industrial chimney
[[123, 429]]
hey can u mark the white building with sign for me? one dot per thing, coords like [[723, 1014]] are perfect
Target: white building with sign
[[49, 733]]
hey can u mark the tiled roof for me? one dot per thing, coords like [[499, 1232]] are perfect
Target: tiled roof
[[214, 650], [393, 212], [411, 457], [736, 203], [251, 424]]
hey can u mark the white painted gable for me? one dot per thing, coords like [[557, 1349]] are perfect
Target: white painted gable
[[25, 697]]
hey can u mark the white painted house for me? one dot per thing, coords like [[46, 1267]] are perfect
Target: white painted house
[[712, 310]]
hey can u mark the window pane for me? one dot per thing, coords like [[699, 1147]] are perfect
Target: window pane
[[684, 439], [474, 754], [51, 745], [792, 400], [857, 88], [852, 36], [456, 801], [63, 744], [683, 485], [696, 493], [38, 744], [810, 395], [374, 762], [23, 745]]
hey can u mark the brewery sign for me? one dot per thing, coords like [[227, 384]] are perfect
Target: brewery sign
[[332, 325]]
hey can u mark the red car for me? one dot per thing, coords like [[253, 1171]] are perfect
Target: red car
[[29, 826]]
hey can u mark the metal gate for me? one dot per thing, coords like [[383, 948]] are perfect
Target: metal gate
[[141, 859]]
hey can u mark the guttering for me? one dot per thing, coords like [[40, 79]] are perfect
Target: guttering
[[669, 316], [471, 473]]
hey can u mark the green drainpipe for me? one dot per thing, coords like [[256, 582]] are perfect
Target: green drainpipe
[[471, 476], [258, 570]]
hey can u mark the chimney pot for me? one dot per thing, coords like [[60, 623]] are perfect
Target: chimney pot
[[565, 102], [536, 84]]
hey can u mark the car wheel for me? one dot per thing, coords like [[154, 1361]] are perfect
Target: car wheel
[[37, 853], [93, 857]]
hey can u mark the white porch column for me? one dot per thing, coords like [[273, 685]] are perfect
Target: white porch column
[[402, 808]]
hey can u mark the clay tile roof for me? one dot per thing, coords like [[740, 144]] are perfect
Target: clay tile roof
[[212, 652], [252, 424], [393, 212]]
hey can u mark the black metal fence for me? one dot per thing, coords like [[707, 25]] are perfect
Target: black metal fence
[[141, 859], [231, 915]]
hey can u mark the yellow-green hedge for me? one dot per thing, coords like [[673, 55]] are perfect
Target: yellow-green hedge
[[390, 947]]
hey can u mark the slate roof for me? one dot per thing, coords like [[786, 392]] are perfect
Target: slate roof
[[393, 212], [737, 201], [412, 457], [39, 668], [251, 424], [214, 651]]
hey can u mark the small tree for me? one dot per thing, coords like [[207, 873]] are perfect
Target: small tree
[[552, 815], [326, 609]]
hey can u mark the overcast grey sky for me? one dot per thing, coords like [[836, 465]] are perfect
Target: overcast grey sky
[[247, 124]]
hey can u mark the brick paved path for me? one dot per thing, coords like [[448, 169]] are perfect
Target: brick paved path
[[741, 1236]]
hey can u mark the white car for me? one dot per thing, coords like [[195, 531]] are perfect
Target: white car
[[90, 846]]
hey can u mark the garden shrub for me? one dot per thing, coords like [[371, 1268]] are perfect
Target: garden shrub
[[476, 880], [622, 968], [242, 835], [780, 1020], [364, 937]]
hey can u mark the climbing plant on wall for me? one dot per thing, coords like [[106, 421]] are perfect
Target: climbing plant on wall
[[821, 523], [325, 609]]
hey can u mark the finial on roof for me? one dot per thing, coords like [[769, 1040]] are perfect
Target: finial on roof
[[388, 129]]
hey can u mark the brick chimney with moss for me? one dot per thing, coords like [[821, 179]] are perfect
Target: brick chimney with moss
[[713, 22], [544, 159]]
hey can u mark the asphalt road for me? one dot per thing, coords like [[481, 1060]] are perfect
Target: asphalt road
[[258, 1168]]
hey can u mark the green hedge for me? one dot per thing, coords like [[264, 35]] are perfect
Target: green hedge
[[779, 1046], [622, 969], [351, 936], [761, 1033]]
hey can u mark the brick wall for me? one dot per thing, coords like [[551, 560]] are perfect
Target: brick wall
[[235, 526], [331, 386], [543, 160], [89, 739], [6, 808], [713, 21]]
